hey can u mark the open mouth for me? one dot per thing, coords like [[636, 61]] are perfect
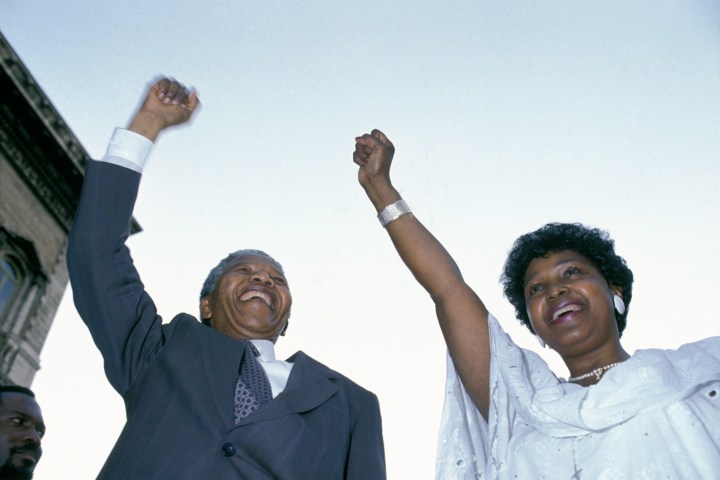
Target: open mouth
[[562, 311], [257, 295]]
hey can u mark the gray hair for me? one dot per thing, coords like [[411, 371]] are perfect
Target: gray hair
[[217, 272]]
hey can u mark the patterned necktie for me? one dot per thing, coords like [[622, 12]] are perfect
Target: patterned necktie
[[252, 389]]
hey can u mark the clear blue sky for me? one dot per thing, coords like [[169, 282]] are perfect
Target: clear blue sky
[[505, 114]]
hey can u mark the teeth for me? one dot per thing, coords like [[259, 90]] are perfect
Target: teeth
[[566, 309], [255, 294]]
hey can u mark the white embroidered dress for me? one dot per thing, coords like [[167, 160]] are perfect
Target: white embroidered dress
[[655, 416]]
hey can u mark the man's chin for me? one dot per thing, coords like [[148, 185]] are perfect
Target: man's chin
[[10, 471]]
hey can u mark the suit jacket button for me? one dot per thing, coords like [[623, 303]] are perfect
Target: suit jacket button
[[228, 449]]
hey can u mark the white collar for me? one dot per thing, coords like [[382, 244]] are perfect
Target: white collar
[[266, 349]]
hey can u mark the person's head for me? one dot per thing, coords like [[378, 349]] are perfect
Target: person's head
[[21, 432], [246, 296], [593, 244]]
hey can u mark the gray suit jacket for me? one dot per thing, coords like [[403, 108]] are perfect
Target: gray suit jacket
[[178, 379]]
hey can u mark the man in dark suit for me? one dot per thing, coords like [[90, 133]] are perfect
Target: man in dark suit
[[191, 412]]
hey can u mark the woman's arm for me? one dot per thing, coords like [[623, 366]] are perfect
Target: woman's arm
[[461, 313]]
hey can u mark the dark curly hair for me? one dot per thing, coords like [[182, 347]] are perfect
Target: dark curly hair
[[592, 243]]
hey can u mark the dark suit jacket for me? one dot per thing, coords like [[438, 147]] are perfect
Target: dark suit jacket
[[178, 379]]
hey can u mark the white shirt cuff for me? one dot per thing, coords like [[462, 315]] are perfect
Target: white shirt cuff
[[128, 149]]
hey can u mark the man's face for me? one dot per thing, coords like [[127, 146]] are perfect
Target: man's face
[[21, 430], [251, 300]]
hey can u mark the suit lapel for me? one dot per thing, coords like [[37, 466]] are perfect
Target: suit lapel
[[308, 387], [221, 356]]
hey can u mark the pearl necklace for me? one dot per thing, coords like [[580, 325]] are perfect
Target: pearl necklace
[[598, 372]]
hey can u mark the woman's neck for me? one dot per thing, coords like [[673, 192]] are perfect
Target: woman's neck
[[589, 368]]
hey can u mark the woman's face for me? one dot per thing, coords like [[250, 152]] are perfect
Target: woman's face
[[569, 303]]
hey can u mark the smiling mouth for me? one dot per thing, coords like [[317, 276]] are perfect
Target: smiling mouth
[[564, 311], [29, 456], [256, 295]]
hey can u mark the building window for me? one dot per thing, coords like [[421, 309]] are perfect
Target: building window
[[10, 282], [21, 277]]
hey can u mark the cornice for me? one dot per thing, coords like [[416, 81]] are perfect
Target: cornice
[[38, 142], [28, 87]]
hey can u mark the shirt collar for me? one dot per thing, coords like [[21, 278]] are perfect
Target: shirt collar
[[266, 349]]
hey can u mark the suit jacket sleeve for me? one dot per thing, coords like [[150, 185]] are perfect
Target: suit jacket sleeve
[[107, 290], [366, 458]]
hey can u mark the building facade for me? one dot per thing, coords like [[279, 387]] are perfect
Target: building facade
[[41, 173]]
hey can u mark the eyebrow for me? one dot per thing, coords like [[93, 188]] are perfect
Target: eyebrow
[[275, 270], [529, 278], [573, 259]]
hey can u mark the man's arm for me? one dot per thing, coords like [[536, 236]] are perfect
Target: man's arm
[[107, 289], [461, 313]]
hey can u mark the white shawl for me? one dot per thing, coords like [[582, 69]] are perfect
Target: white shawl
[[657, 415]]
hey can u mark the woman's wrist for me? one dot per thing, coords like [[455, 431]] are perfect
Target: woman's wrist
[[381, 195], [392, 212]]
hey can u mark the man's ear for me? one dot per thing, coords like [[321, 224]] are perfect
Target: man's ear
[[284, 328], [205, 310], [616, 290], [281, 333]]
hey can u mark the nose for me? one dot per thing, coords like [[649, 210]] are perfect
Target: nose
[[263, 277], [557, 289], [32, 437]]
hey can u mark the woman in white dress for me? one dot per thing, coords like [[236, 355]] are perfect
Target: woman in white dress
[[655, 414]]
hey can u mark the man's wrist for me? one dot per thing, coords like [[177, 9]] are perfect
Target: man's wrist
[[148, 124]]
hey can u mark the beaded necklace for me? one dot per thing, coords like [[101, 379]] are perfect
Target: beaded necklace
[[598, 372]]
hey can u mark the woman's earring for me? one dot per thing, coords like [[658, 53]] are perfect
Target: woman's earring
[[619, 304], [540, 341]]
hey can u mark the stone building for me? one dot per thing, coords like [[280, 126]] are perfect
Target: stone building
[[41, 172]]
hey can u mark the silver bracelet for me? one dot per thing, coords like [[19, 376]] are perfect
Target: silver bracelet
[[393, 212]]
